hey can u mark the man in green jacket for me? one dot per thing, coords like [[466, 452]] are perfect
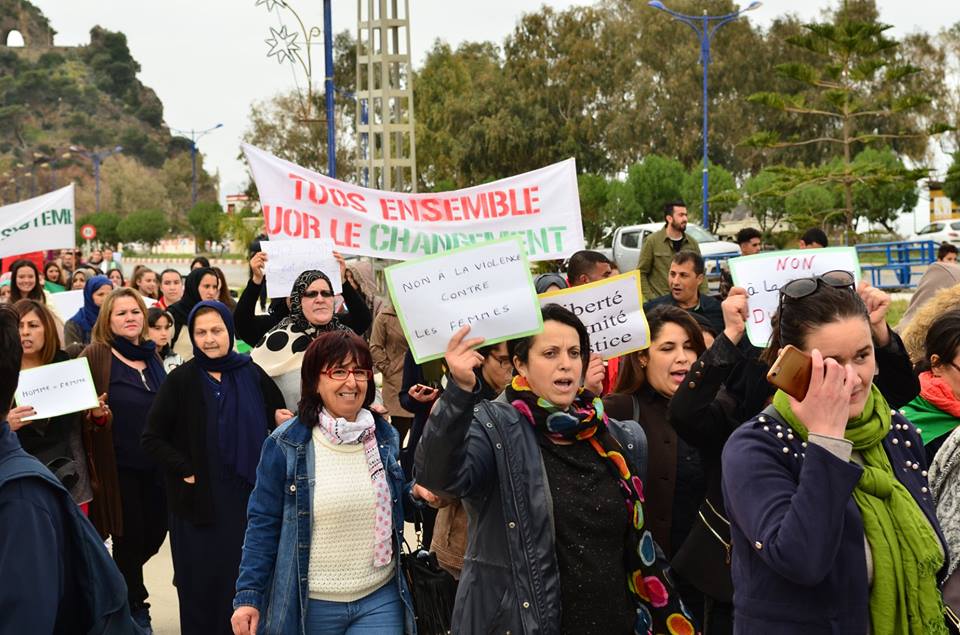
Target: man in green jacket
[[659, 248]]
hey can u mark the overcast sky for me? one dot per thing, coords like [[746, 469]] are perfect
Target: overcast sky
[[206, 59]]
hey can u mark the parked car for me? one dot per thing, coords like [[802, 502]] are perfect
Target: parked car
[[940, 232], [628, 240]]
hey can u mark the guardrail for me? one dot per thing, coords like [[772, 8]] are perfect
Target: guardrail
[[904, 259]]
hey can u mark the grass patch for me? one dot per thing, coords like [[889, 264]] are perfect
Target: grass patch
[[896, 311]]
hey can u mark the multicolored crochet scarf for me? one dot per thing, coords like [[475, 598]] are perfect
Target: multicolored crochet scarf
[[659, 609]]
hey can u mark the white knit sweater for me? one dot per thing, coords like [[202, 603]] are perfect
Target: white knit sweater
[[342, 533]]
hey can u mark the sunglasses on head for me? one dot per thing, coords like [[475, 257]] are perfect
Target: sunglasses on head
[[312, 294], [804, 287]]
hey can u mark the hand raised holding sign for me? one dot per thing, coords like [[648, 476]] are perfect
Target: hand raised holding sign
[[17, 415], [735, 314], [257, 263], [462, 359], [596, 371]]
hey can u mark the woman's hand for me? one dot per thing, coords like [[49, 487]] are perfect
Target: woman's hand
[[245, 620], [257, 264], [422, 493], [596, 371], [190, 480], [878, 303], [735, 314], [17, 415], [826, 406], [462, 359], [343, 267], [423, 394], [102, 409], [282, 415]]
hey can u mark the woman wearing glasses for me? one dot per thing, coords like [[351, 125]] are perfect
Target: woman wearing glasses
[[208, 452], [325, 519], [280, 352], [832, 522]]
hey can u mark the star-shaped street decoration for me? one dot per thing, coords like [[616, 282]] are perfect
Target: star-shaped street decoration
[[282, 44], [270, 4]]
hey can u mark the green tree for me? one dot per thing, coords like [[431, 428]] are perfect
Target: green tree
[[594, 194], [951, 184], [241, 227], [883, 202], [812, 205], [654, 182], [863, 90], [722, 192], [106, 224], [205, 220], [762, 197], [144, 226], [177, 178]]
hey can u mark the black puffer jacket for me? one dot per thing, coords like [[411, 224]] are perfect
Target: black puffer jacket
[[486, 454]]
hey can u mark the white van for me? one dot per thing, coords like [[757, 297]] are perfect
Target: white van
[[628, 240]]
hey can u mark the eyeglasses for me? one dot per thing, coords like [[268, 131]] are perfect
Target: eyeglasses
[[341, 374], [804, 287], [504, 362], [312, 294]]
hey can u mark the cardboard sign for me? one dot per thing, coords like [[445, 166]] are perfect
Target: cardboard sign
[[39, 223], [612, 311], [487, 286], [287, 259], [763, 274], [541, 207], [67, 303], [57, 389]]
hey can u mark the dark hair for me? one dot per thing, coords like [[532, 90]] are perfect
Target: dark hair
[[670, 205], [329, 349], [51, 338], [632, 376], [11, 355], [520, 348], [815, 235], [225, 298], [154, 313], [799, 318], [203, 260], [166, 271], [36, 293], [747, 234], [487, 350], [52, 264], [123, 279], [946, 248], [942, 340], [582, 262], [684, 256]]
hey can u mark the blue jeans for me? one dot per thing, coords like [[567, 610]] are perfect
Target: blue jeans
[[380, 613]]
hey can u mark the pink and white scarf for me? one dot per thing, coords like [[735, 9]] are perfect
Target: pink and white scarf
[[339, 431]]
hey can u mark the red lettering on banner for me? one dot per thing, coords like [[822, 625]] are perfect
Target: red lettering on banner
[[272, 211], [430, 210], [339, 198], [289, 214], [348, 237], [386, 206], [405, 211], [474, 208], [356, 201], [794, 262], [298, 186], [498, 204], [531, 198], [313, 226]]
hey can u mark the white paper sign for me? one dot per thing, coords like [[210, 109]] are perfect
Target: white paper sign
[[287, 259], [487, 286], [39, 223], [67, 303], [612, 311], [763, 274], [57, 389]]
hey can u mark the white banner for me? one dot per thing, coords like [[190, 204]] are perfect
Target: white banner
[[763, 274], [287, 259], [612, 311], [36, 224], [57, 389], [487, 286], [541, 207]]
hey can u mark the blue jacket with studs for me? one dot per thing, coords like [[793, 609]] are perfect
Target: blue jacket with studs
[[799, 560]]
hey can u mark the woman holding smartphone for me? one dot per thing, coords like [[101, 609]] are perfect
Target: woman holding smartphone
[[832, 522]]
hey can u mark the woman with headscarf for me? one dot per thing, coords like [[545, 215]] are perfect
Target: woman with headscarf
[[280, 352], [78, 279], [205, 431], [201, 284], [76, 332], [360, 276]]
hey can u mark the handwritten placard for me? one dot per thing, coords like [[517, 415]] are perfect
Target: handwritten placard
[[67, 303], [57, 389], [287, 259], [612, 311], [487, 286], [763, 274]]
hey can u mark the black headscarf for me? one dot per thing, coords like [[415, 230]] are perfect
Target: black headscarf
[[180, 310]]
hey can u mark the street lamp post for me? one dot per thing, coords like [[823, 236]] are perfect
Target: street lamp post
[[97, 158], [705, 26], [194, 137]]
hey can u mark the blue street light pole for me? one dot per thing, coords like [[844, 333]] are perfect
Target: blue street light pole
[[97, 158], [705, 26], [194, 137], [328, 89]]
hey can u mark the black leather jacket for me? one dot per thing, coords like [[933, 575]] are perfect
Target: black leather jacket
[[486, 454]]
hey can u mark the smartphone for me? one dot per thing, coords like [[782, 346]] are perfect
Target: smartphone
[[429, 390], [791, 372]]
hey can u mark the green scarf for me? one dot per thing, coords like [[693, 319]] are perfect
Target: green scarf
[[905, 598]]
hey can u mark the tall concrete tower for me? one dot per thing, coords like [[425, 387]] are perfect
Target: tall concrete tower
[[385, 123]]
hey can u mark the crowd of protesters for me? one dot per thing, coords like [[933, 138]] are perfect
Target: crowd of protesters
[[670, 490]]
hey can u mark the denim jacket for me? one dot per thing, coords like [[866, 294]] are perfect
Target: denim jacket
[[276, 549]]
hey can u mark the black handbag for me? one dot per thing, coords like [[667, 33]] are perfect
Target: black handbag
[[433, 589], [703, 559]]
